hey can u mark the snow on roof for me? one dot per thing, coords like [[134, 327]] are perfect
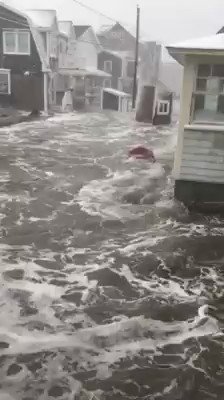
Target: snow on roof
[[12, 9], [88, 71], [65, 27], [120, 54], [43, 19], [116, 92], [214, 42]]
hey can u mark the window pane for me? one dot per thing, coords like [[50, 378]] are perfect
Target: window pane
[[211, 103], [10, 42], [130, 69], [199, 102], [218, 70], [4, 87], [213, 85], [201, 85], [23, 42], [204, 70]]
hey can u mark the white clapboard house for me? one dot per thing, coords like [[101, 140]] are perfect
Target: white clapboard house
[[199, 158]]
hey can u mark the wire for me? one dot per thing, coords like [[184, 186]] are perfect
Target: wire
[[95, 11]]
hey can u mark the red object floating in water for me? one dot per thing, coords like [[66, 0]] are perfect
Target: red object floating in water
[[141, 152]]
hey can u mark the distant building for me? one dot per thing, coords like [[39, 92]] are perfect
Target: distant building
[[117, 38], [171, 74], [120, 65], [118, 55], [24, 67], [87, 78]]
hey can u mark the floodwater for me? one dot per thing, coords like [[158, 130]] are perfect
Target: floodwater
[[108, 287]]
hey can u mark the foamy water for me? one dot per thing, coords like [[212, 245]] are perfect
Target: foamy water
[[109, 287]]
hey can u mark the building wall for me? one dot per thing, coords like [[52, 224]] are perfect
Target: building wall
[[189, 76], [86, 52], [203, 154], [118, 39], [186, 96], [22, 88], [116, 66]]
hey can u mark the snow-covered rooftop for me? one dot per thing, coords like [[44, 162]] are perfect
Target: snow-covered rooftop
[[214, 42], [43, 19], [116, 92]]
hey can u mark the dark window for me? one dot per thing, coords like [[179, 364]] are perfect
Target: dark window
[[130, 69], [204, 70], [201, 84], [218, 70]]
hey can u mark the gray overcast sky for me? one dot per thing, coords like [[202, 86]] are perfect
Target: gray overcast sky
[[165, 20]]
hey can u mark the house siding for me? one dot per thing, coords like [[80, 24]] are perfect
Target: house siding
[[203, 156], [118, 39], [22, 87], [116, 67]]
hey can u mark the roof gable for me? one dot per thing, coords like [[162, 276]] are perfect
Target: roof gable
[[80, 30], [117, 37]]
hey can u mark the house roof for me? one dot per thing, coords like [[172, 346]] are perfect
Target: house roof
[[43, 19], [13, 10], [65, 27], [116, 92], [104, 29], [88, 71], [119, 54], [80, 30], [214, 43], [221, 30]]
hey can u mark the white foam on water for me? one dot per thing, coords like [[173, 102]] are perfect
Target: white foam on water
[[101, 197]]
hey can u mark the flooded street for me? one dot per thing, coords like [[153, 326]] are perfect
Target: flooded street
[[107, 285]]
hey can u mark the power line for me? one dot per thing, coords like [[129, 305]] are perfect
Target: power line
[[95, 11]]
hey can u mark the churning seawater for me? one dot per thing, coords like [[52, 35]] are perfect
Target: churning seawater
[[108, 287]]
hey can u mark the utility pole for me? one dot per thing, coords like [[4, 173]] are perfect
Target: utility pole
[[134, 93]]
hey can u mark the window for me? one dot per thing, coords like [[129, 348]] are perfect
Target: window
[[208, 96], [108, 66], [16, 42], [130, 69], [107, 83], [5, 81], [163, 107]]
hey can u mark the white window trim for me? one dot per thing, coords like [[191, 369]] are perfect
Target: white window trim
[[163, 102], [104, 65], [6, 72], [16, 31]]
